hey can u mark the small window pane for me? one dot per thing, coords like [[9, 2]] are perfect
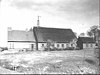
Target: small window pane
[[42, 44], [91, 45], [57, 45], [62, 45], [72, 45], [86, 45]]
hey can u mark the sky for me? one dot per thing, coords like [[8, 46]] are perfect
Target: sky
[[78, 15]]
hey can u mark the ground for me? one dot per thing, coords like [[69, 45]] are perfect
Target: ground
[[48, 62]]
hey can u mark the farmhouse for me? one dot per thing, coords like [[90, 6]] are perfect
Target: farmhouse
[[18, 39], [60, 38], [86, 42]]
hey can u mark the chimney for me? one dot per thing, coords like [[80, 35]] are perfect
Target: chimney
[[9, 28]]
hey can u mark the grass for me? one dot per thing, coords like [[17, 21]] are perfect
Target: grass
[[49, 62], [90, 61]]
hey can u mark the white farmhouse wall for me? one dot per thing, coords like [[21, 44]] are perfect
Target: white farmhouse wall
[[40, 47], [65, 45], [20, 45], [60, 45], [89, 45]]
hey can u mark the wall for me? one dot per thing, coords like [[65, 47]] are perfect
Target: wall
[[40, 47], [20, 45], [60, 45], [89, 45], [65, 45]]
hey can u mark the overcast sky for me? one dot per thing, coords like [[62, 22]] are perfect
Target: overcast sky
[[78, 15]]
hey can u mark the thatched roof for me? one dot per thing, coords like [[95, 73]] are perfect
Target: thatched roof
[[87, 39], [55, 34], [22, 36]]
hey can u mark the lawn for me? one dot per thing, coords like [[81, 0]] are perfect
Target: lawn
[[48, 62]]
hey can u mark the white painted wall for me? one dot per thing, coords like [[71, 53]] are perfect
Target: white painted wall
[[89, 45], [20, 45], [66, 45], [60, 45], [40, 47]]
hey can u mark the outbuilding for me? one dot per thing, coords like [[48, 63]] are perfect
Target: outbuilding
[[86, 42]]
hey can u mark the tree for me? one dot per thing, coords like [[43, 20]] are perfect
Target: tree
[[75, 34], [82, 34], [89, 34], [92, 31], [50, 44], [30, 29]]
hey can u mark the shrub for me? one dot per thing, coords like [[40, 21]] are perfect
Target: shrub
[[77, 48], [3, 48]]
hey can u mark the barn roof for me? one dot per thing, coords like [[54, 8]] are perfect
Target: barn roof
[[87, 39], [55, 34], [19, 35]]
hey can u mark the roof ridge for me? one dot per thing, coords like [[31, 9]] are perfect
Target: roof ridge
[[53, 28]]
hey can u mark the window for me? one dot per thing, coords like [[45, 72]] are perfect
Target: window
[[66, 45], [57, 45], [32, 46], [62, 45], [71, 45], [86, 45], [91, 45], [11, 45], [42, 45]]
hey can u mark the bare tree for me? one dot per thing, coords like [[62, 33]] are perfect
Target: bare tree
[[82, 34], [31, 29], [92, 31]]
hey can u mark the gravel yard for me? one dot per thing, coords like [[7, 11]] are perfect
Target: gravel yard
[[56, 62]]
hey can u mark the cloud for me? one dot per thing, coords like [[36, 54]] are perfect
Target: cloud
[[87, 8], [84, 7], [31, 3]]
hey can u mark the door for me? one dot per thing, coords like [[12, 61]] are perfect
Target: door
[[32, 46]]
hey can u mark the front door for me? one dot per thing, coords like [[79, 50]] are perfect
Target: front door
[[32, 46]]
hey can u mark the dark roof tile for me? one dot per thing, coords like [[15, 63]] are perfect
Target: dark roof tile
[[87, 39]]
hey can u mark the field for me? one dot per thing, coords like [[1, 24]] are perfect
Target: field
[[48, 62]]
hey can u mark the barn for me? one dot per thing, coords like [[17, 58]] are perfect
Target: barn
[[86, 42], [61, 38]]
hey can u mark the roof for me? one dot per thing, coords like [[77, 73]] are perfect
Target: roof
[[55, 34], [19, 35], [87, 39]]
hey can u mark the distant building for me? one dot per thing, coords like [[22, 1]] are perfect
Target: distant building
[[86, 42], [62, 38], [18, 39]]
